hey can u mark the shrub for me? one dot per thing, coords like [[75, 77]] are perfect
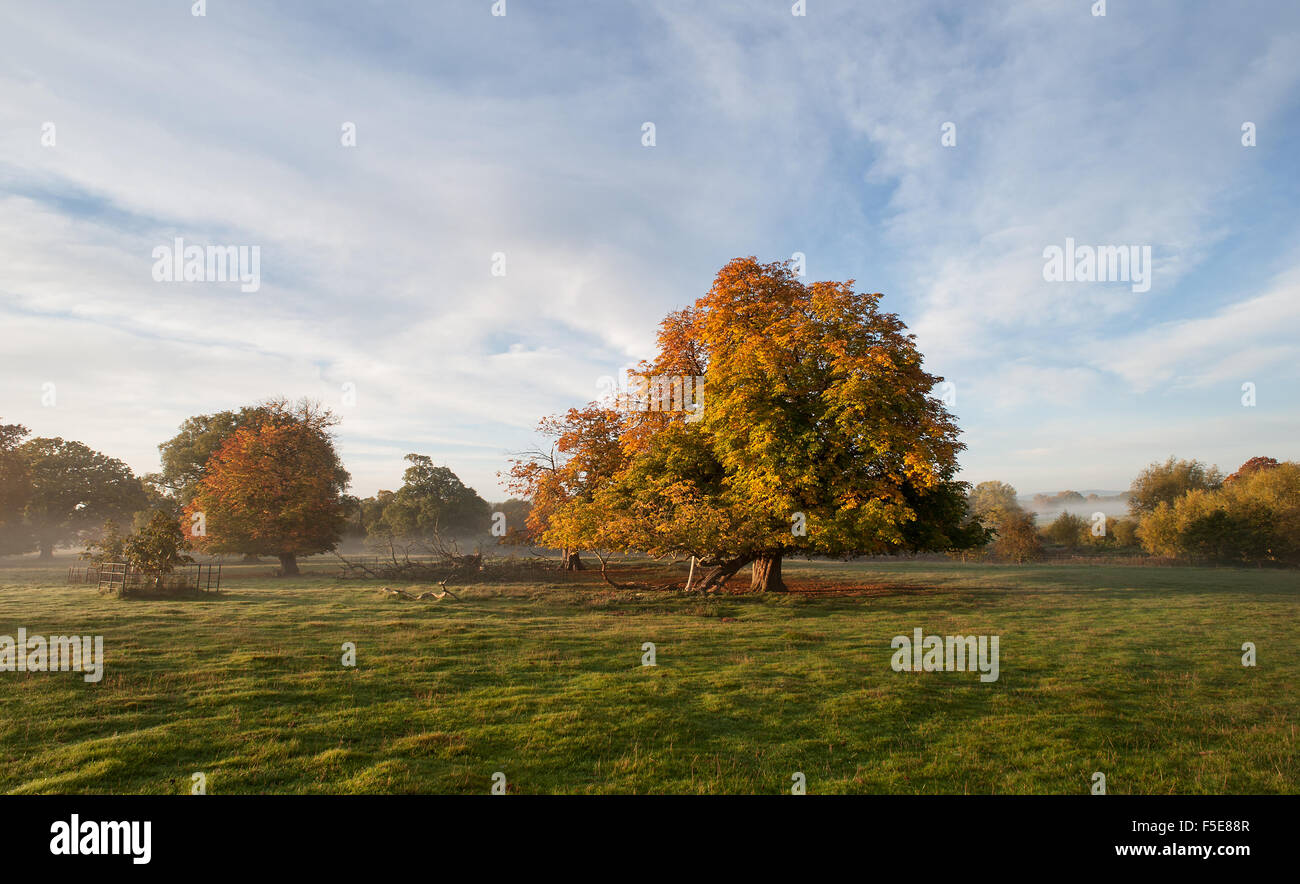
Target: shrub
[[1017, 538], [1123, 531], [1067, 530], [1253, 519], [159, 546]]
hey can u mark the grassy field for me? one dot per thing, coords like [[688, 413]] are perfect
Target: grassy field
[[1132, 671]]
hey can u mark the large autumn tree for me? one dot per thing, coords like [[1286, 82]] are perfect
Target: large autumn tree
[[274, 487], [185, 456], [818, 435]]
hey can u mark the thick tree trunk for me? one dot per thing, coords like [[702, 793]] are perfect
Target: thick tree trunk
[[721, 573], [288, 565], [47, 550], [767, 574], [572, 561]]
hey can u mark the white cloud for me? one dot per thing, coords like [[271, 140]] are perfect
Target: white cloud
[[1235, 344], [476, 136]]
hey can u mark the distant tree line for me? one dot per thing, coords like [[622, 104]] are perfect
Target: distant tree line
[[55, 491], [1181, 509], [265, 480]]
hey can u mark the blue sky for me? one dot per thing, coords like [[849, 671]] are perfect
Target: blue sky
[[521, 134]]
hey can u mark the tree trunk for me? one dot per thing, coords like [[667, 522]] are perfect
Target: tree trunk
[[288, 565], [767, 574], [572, 562], [722, 572], [47, 550]]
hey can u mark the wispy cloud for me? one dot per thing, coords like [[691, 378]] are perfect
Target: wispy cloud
[[478, 135]]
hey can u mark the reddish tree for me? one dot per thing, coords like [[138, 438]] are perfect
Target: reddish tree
[[272, 489], [1254, 465]]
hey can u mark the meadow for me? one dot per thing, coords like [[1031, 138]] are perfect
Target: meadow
[[1132, 671]]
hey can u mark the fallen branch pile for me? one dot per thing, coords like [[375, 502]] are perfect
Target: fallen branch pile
[[436, 596]]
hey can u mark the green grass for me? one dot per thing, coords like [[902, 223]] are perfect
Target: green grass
[[1132, 671]]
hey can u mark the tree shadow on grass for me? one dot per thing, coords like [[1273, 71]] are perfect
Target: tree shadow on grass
[[142, 595]]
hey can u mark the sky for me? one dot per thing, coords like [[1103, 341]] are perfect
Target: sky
[[477, 136]]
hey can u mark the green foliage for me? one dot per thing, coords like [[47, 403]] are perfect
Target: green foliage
[[1118, 533], [110, 547], [159, 546], [15, 491], [432, 501], [156, 548], [75, 489], [1067, 529], [1123, 531], [992, 502], [516, 512]]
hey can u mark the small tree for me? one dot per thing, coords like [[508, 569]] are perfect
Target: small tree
[[991, 502], [1106, 537], [1125, 532], [159, 546], [110, 547], [584, 455], [1017, 538], [1157, 531], [156, 549]]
